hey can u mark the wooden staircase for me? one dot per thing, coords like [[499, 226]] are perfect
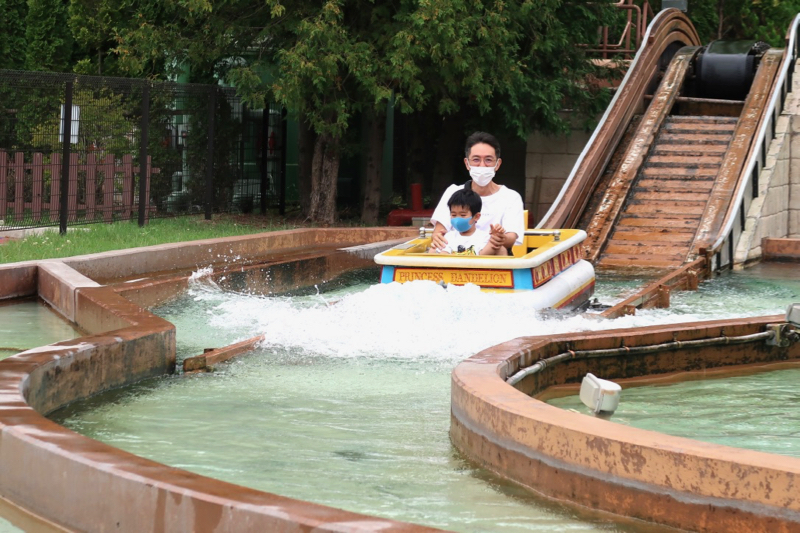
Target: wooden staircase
[[661, 217]]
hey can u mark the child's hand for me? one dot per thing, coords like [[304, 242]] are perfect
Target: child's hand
[[496, 236]]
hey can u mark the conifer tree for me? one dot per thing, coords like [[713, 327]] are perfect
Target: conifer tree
[[47, 35]]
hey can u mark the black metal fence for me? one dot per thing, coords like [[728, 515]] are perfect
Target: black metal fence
[[72, 150]]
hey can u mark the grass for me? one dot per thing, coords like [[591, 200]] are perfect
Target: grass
[[93, 238]]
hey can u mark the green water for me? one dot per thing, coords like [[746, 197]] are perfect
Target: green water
[[364, 435], [759, 412], [347, 401], [343, 405], [29, 324]]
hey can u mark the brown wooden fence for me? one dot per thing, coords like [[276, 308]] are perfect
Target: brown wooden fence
[[98, 187]]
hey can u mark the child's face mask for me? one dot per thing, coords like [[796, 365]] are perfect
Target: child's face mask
[[461, 224]]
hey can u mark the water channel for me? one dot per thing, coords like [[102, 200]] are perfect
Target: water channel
[[347, 402]]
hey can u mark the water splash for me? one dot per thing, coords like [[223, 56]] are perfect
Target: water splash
[[421, 320]]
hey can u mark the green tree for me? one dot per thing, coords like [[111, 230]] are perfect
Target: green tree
[[93, 25], [511, 63], [12, 38], [49, 40], [106, 125], [764, 20]]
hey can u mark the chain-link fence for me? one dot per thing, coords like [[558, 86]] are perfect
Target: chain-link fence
[[72, 147]]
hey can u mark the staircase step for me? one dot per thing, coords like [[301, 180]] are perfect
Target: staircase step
[[677, 161], [687, 195], [695, 138], [644, 248], [674, 184], [672, 235], [707, 119], [675, 221], [699, 127], [649, 261], [651, 209], [688, 150], [707, 172]]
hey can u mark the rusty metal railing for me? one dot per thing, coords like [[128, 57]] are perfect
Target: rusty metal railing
[[632, 33]]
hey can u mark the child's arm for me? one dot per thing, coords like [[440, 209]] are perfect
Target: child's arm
[[494, 246], [488, 249]]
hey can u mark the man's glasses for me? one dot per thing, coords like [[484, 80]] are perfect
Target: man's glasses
[[487, 161]]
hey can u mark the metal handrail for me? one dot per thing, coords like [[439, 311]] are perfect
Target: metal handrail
[[556, 233], [605, 48], [790, 55], [540, 365]]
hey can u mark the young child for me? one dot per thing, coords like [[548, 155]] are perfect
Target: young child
[[465, 238]]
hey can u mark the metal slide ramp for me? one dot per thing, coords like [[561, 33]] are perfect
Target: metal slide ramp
[[663, 198], [657, 225], [664, 184]]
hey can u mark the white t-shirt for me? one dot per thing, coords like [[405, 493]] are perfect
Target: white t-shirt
[[503, 207], [454, 239]]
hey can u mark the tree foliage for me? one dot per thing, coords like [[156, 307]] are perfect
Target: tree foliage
[[12, 38], [515, 63], [764, 20], [105, 127], [47, 36]]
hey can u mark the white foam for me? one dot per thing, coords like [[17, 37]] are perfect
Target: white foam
[[200, 274], [423, 320]]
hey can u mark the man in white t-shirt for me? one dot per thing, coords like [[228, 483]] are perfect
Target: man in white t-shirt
[[502, 211]]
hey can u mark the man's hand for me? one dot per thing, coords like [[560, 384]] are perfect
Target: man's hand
[[437, 237]]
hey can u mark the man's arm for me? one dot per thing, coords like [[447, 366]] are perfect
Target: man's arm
[[437, 239], [509, 239]]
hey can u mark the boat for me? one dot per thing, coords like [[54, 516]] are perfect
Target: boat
[[549, 263]]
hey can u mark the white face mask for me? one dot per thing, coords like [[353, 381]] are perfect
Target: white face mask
[[481, 175]]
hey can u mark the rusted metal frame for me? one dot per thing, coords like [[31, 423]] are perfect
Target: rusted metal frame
[[205, 362], [657, 294], [540, 365], [667, 27], [621, 183], [639, 27], [732, 172], [690, 99]]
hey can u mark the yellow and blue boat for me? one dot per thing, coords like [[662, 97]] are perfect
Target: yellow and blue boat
[[549, 263]]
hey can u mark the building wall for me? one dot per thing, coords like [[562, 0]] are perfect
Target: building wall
[[548, 162]]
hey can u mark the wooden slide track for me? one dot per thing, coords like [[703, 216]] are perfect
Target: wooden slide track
[[654, 187]]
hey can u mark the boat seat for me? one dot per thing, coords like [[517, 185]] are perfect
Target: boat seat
[[520, 250]]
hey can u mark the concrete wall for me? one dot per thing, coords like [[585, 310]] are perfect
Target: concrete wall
[[775, 213], [64, 481], [549, 161], [599, 464]]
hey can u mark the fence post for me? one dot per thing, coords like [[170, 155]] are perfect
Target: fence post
[[264, 158], [282, 206], [65, 158], [144, 175], [212, 107]]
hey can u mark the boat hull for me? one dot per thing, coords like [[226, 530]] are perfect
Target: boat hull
[[569, 289], [549, 265]]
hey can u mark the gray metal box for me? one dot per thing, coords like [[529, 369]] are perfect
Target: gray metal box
[[793, 314]]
